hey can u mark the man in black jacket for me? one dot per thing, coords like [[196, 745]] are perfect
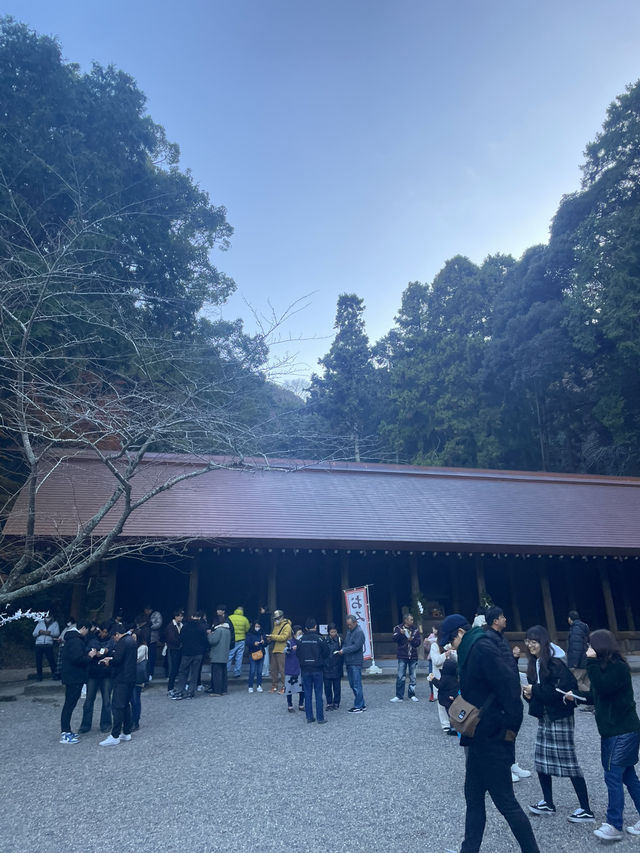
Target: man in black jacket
[[496, 624], [194, 645], [75, 660], [122, 665], [312, 651], [490, 683]]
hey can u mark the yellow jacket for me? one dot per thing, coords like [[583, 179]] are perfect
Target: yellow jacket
[[280, 635], [240, 623]]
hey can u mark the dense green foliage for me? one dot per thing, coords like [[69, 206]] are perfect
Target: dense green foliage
[[529, 364]]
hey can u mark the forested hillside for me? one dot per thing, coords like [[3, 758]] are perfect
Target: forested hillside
[[528, 364]]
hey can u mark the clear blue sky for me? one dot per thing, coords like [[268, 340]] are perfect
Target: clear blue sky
[[358, 144]]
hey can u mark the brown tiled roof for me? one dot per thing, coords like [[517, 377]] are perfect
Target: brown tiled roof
[[354, 505]]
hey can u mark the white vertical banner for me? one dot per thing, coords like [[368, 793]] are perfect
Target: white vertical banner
[[357, 604]]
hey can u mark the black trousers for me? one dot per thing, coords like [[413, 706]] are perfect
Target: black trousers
[[488, 771], [46, 651], [93, 686], [121, 709], [219, 677], [173, 657], [71, 695]]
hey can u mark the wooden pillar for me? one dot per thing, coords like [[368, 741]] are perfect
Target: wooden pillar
[[569, 584], [111, 571], [547, 603], [480, 579], [328, 582], [194, 580], [78, 594], [608, 598], [455, 587], [628, 610], [344, 584], [272, 586], [515, 607]]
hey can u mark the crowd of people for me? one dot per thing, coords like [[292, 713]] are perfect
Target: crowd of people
[[483, 684], [470, 662], [118, 659]]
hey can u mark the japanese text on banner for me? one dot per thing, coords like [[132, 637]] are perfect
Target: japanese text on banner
[[357, 605]]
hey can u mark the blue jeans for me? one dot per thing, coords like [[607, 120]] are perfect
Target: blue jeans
[[312, 682], [255, 670], [615, 779], [403, 666], [235, 658], [354, 674]]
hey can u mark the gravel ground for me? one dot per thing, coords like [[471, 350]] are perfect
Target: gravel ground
[[239, 774]]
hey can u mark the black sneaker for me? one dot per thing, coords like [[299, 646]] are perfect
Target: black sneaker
[[356, 710], [542, 808], [581, 816]]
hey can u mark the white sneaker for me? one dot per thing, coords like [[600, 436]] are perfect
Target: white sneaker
[[414, 699], [251, 690], [124, 737], [200, 688], [150, 678], [523, 774], [259, 689], [110, 741], [635, 829], [514, 777], [608, 833], [395, 699]]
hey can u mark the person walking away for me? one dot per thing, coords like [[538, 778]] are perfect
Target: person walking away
[[194, 645], [74, 663], [256, 643], [280, 634], [555, 752], [122, 666], [333, 668], [240, 625], [488, 683], [312, 652], [46, 631], [98, 679], [577, 652], [407, 638], [611, 694], [352, 653], [219, 640], [292, 671], [174, 648]]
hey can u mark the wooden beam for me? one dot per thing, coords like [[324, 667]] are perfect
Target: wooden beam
[[608, 598], [515, 607], [480, 578], [194, 582], [344, 584], [547, 603], [272, 586], [111, 572], [628, 610]]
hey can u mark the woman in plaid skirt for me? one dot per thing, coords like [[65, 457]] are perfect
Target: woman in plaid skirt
[[555, 752]]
